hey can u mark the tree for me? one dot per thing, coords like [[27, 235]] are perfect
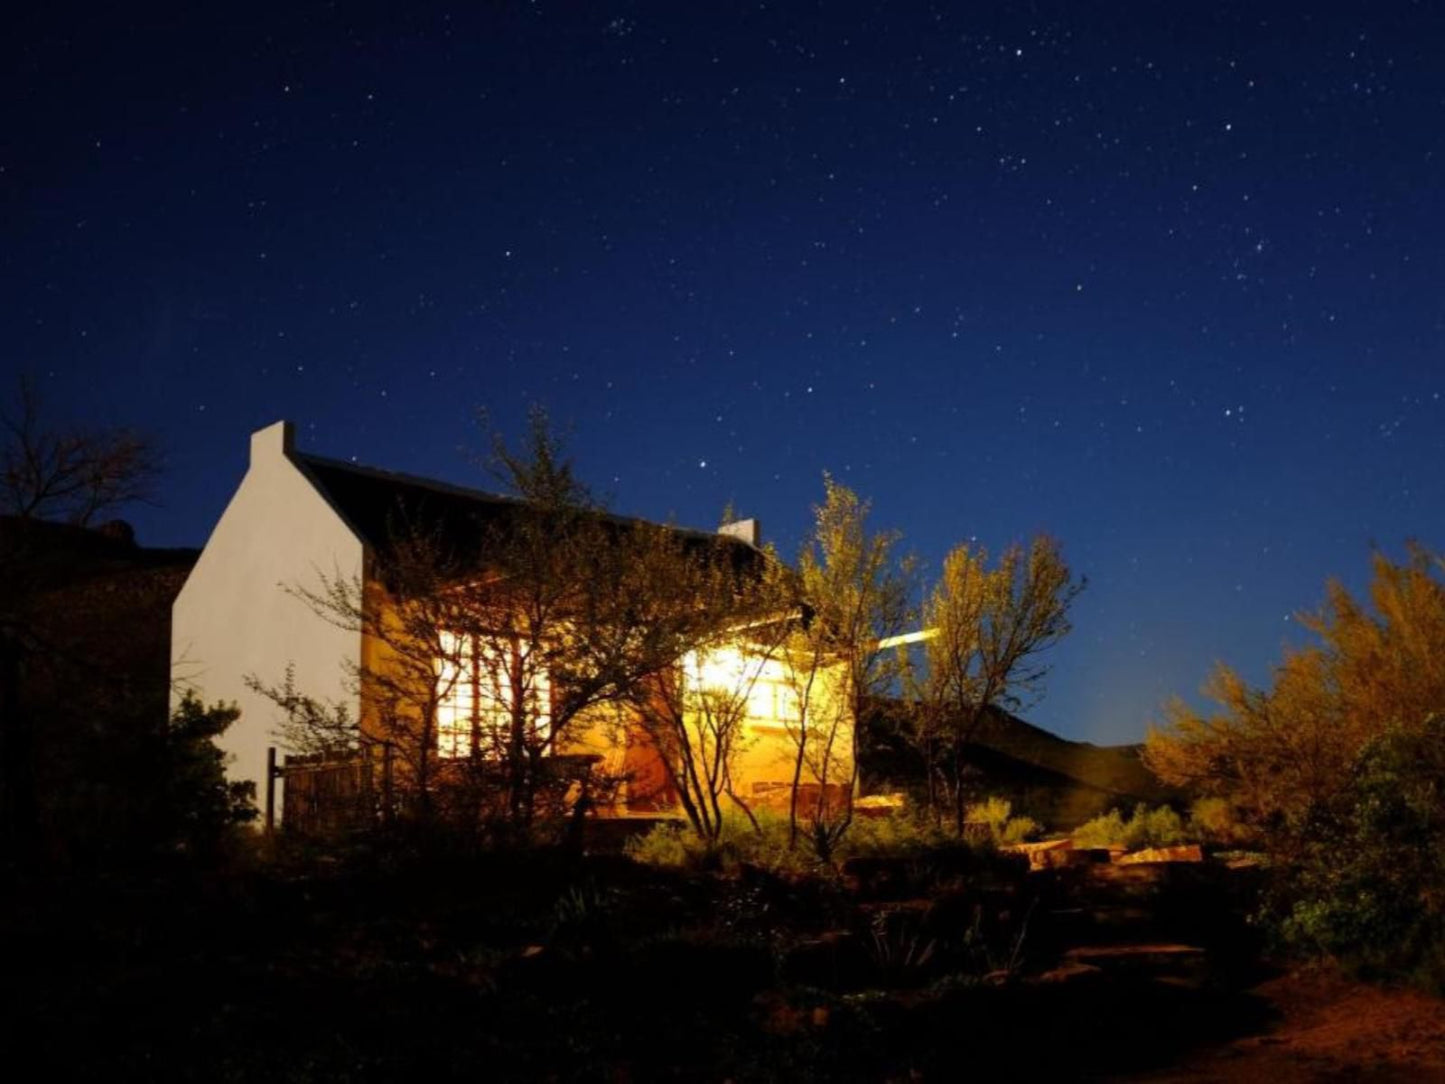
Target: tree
[[69, 474], [855, 590], [192, 807], [1366, 884], [1284, 753], [719, 619], [988, 626]]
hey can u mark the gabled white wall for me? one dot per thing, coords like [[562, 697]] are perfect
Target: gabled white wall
[[234, 616]]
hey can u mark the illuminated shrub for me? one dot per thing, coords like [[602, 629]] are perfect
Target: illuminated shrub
[[1369, 887], [1145, 827]]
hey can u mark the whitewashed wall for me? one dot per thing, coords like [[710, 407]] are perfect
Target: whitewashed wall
[[234, 616]]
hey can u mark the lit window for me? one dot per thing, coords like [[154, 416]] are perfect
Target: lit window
[[478, 681], [761, 683]]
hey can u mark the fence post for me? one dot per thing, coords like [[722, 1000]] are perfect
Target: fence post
[[270, 789]]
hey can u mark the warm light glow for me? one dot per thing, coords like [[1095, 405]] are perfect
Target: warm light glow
[[907, 638], [731, 672], [478, 681]]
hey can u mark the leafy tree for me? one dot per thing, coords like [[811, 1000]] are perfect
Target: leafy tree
[[1337, 769], [717, 627], [194, 807], [855, 589], [988, 627], [1367, 882], [1283, 753]]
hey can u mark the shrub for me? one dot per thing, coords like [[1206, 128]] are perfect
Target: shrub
[[1106, 830], [895, 836], [664, 845], [1215, 820], [1159, 827], [766, 845], [1146, 827], [677, 846], [1019, 830], [1368, 889], [1003, 828]]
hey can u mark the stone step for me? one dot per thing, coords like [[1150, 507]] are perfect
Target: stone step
[[1180, 964]]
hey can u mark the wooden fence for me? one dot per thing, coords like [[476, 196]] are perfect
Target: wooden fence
[[328, 795]]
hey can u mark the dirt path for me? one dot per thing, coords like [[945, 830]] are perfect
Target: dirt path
[[1328, 1029]]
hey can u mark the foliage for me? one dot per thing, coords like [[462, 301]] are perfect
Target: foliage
[[899, 948], [1368, 887], [667, 845], [855, 589], [899, 835], [768, 845], [1216, 821], [1337, 766], [989, 625], [1281, 755], [1003, 827], [715, 628], [762, 840], [196, 807], [1159, 826]]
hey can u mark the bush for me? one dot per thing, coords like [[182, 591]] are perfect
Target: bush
[[1106, 830], [1019, 830], [1146, 827], [1159, 827], [1003, 828], [664, 845], [1368, 889], [677, 846], [897, 836], [1215, 820]]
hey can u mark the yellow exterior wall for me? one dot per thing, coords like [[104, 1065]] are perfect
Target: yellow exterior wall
[[765, 753]]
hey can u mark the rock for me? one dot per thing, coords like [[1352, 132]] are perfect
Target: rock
[[1070, 971], [1038, 854], [1069, 858], [1182, 965], [1190, 852]]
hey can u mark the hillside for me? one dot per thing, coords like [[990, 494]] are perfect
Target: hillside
[[1053, 779]]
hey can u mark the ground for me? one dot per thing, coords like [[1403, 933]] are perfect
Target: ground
[[553, 967], [1325, 1027]]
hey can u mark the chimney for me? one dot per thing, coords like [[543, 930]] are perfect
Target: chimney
[[746, 529], [276, 442]]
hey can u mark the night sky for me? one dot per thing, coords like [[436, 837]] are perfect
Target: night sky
[[1164, 280]]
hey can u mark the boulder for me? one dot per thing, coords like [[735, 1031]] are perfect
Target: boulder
[[1189, 852], [1070, 971]]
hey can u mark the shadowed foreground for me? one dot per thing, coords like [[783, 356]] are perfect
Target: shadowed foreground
[[546, 969]]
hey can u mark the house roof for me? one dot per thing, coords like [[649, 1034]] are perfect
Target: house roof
[[42, 553], [381, 506]]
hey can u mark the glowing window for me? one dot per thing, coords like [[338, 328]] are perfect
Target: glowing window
[[761, 683], [478, 682]]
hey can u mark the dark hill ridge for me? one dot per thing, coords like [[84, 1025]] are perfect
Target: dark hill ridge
[[1115, 768], [1060, 782]]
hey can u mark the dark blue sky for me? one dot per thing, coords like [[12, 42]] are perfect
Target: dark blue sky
[[1165, 280]]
